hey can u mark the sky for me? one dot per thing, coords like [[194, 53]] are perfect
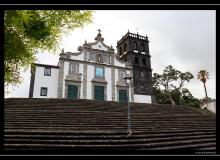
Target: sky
[[185, 39]]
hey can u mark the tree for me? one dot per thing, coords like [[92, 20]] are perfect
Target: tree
[[28, 31], [172, 81], [181, 97], [203, 75]]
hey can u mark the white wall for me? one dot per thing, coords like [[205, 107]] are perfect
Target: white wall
[[51, 82], [210, 106], [79, 57], [99, 48], [109, 84], [90, 75], [142, 98]]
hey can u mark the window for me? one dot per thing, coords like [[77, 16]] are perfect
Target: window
[[73, 68], [142, 87], [125, 47], [92, 56], [142, 47], [136, 60], [142, 75], [120, 51], [143, 62], [135, 45], [99, 58], [47, 71], [43, 91], [106, 58], [99, 73]]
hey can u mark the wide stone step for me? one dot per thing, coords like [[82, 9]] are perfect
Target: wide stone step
[[83, 125], [81, 112], [36, 135], [106, 128], [94, 104], [33, 124], [97, 140], [209, 148], [39, 146], [98, 123], [203, 146], [167, 130], [99, 115], [60, 109], [94, 107]]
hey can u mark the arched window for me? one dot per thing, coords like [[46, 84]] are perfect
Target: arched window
[[143, 62], [142, 75], [142, 47], [142, 87], [99, 58], [120, 51], [125, 47], [136, 60], [135, 46]]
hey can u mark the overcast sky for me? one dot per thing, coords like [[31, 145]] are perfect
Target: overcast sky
[[184, 39]]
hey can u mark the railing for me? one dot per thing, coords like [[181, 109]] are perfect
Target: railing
[[132, 35]]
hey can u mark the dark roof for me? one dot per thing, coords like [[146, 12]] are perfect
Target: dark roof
[[46, 65]]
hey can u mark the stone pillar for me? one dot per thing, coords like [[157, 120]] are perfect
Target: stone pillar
[[113, 83], [60, 80], [84, 81], [84, 96]]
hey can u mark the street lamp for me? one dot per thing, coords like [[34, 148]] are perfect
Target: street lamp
[[128, 81], [80, 76]]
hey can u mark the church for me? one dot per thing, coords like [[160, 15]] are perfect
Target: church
[[97, 72]]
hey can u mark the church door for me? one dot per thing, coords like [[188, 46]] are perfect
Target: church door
[[72, 92], [122, 95], [99, 93]]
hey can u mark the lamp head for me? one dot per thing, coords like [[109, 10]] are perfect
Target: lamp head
[[80, 75], [128, 78]]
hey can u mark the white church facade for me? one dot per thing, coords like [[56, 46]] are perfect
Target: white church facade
[[95, 72]]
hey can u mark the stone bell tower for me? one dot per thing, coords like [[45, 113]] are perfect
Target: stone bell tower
[[134, 49]]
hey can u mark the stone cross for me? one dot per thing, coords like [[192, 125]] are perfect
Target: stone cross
[[137, 29]]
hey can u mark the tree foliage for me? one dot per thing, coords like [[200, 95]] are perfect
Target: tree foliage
[[169, 85], [27, 31]]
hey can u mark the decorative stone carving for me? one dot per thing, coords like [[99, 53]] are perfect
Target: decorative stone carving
[[121, 83], [74, 77]]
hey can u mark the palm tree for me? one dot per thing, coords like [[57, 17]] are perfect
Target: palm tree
[[203, 75]]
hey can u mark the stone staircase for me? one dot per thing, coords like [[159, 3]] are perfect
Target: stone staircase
[[63, 124]]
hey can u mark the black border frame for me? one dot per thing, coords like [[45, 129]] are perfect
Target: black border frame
[[152, 6]]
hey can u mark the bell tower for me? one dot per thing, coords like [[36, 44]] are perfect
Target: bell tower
[[134, 48]]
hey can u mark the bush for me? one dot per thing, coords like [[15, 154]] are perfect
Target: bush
[[193, 104]]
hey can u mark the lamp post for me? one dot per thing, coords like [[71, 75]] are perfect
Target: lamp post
[[80, 76], [128, 81]]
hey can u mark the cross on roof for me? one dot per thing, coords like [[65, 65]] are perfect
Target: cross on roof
[[99, 30]]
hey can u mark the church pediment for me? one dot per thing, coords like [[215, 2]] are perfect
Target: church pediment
[[98, 44]]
